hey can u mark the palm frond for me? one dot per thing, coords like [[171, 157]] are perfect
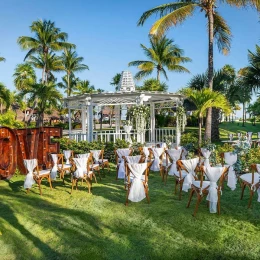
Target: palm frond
[[141, 74]]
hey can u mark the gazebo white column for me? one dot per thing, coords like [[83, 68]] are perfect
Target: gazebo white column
[[70, 128], [152, 122], [83, 121], [117, 120], [90, 122], [178, 132]]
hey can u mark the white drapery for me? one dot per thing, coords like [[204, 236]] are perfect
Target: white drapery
[[83, 155], [54, 169], [175, 155], [249, 136], [30, 166], [81, 164], [133, 159], [190, 165], [137, 190], [206, 154], [213, 174], [146, 153], [67, 155], [184, 153], [96, 155], [157, 152], [230, 159], [121, 168]]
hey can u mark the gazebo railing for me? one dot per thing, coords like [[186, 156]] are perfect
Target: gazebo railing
[[161, 133]]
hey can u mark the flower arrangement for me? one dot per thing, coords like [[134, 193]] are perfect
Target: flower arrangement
[[128, 123], [181, 118], [141, 114], [213, 155], [241, 148], [168, 139]]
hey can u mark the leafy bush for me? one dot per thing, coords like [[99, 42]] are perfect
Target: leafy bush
[[189, 138], [8, 119]]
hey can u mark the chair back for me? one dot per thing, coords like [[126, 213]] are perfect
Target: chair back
[[81, 166], [119, 153], [96, 155], [206, 154], [134, 159], [68, 154]]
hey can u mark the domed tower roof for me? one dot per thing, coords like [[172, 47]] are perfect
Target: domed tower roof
[[126, 82]]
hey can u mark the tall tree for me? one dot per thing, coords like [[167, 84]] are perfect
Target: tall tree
[[162, 54], [83, 87], [2, 59], [153, 85], [47, 38], [72, 63], [175, 13], [24, 76], [4, 97], [116, 80], [73, 82]]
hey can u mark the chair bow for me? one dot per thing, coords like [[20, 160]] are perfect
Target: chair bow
[[67, 154], [230, 159], [54, 169], [190, 165], [157, 152], [175, 156], [81, 164], [29, 165], [206, 154]]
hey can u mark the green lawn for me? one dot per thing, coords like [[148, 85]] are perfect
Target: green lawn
[[99, 226]]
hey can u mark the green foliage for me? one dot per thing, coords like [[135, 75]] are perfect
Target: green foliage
[[187, 138], [153, 85], [8, 119]]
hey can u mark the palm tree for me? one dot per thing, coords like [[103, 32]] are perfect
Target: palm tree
[[73, 82], [153, 85], [24, 76], [51, 63], [47, 38], [4, 97], [83, 87], [175, 13], [116, 80], [204, 99], [2, 59], [47, 96], [162, 54], [72, 63]]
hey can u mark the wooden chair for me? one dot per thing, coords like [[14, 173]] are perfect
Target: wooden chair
[[157, 154], [131, 174], [146, 152], [183, 173], [82, 172], [98, 156], [201, 187], [120, 165], [250, 180], [35, 174]]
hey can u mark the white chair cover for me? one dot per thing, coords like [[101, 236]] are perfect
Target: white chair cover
[[190, 165], [258, 190], [137, 192], [54, 169], [67, 154], [184, 153], [249, 136], [133, 159], [81, 164], [213, 174], [83, 155], [175, 155], [96, 155], [230, 159], [146, 153], [121, 169], [29, 165], [206, 154], [258, 135], [157, 152]]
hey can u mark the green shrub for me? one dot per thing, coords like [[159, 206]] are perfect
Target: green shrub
[[8, 119], [187, 138]]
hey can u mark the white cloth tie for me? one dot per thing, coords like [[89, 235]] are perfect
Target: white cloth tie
[[137, 190], [157, 152], [175, 155], [67, 155], [213, 174], [206, 154], [146, 153], [231, 159], [54, 169], [96, 155], [29, 165], [190, 165], [133, 159], [121, 168], [81, 164]]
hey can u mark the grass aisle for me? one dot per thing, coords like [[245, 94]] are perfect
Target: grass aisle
[[83, 226]]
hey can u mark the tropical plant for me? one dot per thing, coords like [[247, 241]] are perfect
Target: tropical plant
[[204, 99], [83, 87], [72, 63], [8, 119], [116, 80], [24, 76], [47, 38], [73, 81], [4, 97], [47, 97], [175, 13], [153, 85], [162, 54], [2, 59]]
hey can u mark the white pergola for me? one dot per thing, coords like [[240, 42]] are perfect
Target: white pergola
[[87, 102]]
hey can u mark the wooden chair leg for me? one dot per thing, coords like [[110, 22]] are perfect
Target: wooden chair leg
[[95, 177], [176, 185], [89, 182], [147, 195], [197, 205], [49, 179], [242, 193], [250, 199], [218, 204], [99, 174], [72, 185], [180, 189], [191, 195], [39, 184]]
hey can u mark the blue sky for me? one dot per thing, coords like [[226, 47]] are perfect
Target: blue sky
[[107, 36]]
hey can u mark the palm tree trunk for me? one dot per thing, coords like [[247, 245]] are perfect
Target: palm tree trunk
[[210, 70], [158, 74], [68, 82], [200, 121], [215, 124], [243, 124]]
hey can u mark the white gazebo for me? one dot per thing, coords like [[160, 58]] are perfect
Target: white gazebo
[[124, 98]]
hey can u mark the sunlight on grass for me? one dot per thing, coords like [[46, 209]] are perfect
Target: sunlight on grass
[[99, 226]]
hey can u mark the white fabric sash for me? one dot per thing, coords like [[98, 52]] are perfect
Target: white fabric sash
[[250, 136], [81, 164], [258, 190], [29, 165], [137, 191], [121, 169], [213, 174], [157, 152], [54, 169], [184, 153], [67, 154], [133, 159], [190, 165], [96, 155], [230, 159], [146, 153], [206, 154], [175, 156]]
